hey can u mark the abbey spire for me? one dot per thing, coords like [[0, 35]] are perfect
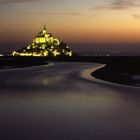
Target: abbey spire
[[45, 27]]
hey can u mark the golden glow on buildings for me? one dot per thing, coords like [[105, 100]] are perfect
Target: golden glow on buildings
[[45, 44], [39, 40]]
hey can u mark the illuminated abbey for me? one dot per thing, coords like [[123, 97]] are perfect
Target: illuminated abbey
[[44, 44]]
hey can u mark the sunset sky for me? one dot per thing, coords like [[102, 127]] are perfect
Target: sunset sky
[[81, 23]]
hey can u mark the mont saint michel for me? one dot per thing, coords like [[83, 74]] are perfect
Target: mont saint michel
[[45, 44]]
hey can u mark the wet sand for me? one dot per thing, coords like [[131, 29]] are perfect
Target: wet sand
[[56, 102]]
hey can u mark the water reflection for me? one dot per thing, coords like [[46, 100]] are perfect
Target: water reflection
[[69, 116], [53, 80]]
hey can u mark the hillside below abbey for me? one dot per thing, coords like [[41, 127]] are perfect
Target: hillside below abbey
[[44, 44]]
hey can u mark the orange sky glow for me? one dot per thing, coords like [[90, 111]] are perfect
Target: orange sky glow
[[99, 21]]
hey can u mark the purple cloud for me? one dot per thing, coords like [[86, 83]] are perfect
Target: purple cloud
[[136, 16], [118, 5], [58, 13], [17, 1]]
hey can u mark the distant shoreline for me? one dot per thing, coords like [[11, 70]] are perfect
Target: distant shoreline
[[20, 62]]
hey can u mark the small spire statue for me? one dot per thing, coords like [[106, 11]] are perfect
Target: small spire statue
[[44, 27]]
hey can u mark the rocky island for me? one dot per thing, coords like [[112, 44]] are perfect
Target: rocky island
[[44, 44]]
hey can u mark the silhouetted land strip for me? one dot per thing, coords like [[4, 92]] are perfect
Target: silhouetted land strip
[[95, 59], [123, 70], [119, 69], [18, 62]]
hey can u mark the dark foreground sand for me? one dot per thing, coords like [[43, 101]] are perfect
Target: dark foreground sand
[[127, 74], [18, 62]]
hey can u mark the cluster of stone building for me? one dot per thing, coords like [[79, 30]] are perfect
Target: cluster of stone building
[[44, 44]]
